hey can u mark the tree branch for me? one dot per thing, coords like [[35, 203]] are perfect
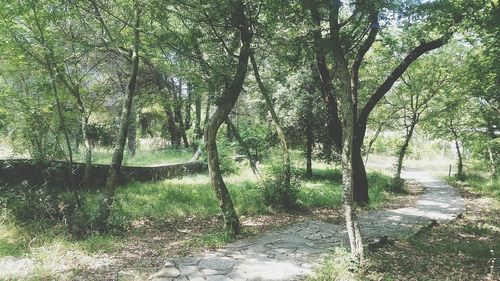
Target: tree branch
[[397, 72]]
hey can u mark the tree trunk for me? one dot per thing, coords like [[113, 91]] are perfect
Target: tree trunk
[[198, 133], [88, 152], [460, 165], [117, 158], [460, 171], [248, 153], [178, 114], [493, 163], [187, 121], [175, 139], [274, 116], [226, 103], [349, 139], [402, 151], [360, 191], [309, 147], [132, 131], [372, 141]]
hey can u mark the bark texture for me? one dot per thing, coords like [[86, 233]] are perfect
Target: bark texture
[[117, 158], [225, 104], [276, 121]]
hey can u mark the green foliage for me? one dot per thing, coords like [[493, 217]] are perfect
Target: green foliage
[[99, 244], [276, 191], [397, 185], [322, 190], [338, 266], [102, 134], [226, 155], [142, 157], [12, 239], [377, 188]]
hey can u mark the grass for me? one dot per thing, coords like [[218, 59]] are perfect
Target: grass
[[49, 242], [141, 158]]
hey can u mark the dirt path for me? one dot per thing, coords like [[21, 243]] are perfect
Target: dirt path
[[295, 251]]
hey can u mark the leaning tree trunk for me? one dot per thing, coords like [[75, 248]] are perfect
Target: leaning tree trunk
[[121, 138], [402, 151], [248, 153], [274, 116], [372, 141], [132, 131], [360, 191], [226, 102]]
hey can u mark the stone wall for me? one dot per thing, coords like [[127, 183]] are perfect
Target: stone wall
[[57, 173]]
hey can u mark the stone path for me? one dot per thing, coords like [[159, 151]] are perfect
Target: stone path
[[294, 252]]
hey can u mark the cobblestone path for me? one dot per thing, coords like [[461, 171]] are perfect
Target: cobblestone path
[[295, 251]]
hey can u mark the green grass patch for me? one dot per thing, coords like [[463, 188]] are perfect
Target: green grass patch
[[213, 239], [13, 242], [338, 266], [100, 244], [141, 158], [378, 184]]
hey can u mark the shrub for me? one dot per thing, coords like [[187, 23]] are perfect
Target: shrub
[[397, 185], [276, 192], [226, 152]]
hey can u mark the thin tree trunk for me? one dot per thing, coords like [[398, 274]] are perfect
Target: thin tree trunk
[[274, 116], [132, 131], [460, 165], [493, 163], [309, 147], [372, 141], [88, 152], [175, 138], [226, 103], [178, 114], [198, 132], [251, 158], [402, 151], [187, 121], [460, 172], [117, 158]]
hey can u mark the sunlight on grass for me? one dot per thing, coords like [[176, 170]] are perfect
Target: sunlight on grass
[[12, 239], [141, 158]]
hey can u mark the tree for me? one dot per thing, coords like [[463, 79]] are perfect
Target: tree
[[121, 138], [350, 39], [415, 94]]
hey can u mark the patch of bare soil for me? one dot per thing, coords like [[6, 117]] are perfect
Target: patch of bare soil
[[459, 250]]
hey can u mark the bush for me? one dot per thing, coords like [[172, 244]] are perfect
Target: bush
[[226, 152], [276, 192], [397, 185]]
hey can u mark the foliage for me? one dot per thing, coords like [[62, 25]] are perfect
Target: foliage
[[226, 150], [277, 193], [338, 266], [397, 185]]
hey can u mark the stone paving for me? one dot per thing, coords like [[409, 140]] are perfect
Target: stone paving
[[294, 252]]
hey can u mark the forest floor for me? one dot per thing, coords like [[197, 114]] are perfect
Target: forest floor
[[293, 252], [460, 250], [151, 242]]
